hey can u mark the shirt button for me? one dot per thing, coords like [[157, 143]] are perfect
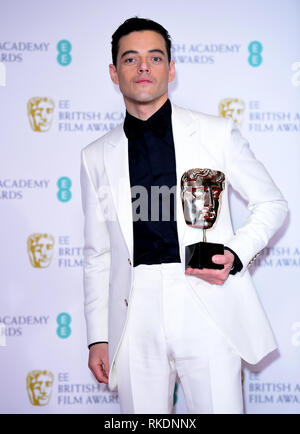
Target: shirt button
[[126, 302], [129, 261]]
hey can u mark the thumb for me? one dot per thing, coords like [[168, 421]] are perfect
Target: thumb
[[218, 259]]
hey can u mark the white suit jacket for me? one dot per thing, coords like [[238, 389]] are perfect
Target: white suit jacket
[[202, 141]]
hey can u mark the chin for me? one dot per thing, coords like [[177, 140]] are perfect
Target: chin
[[145, 98], [208, 225]]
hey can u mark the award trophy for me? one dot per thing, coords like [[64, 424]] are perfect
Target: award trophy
[[200, 194]]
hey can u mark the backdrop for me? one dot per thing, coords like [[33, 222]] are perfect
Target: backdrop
[[236, 58]]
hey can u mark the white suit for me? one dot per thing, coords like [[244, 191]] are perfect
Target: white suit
[[202, 141]]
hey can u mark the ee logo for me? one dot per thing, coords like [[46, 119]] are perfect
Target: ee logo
[[63, 330], [64, 193], [64, 48], [255, 48]]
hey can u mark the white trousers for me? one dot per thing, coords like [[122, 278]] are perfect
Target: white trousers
[[169, 334]]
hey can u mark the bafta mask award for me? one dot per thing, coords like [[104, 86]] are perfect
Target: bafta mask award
[[200, 194]]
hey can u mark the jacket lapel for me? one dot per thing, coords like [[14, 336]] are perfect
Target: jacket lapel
[[184, 132], [117, 169], [192, 150]]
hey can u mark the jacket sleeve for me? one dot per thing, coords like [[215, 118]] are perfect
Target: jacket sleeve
[[266, 204], [96, 259]]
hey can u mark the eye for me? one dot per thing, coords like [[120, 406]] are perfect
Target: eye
[[129, 60], [156, 59]]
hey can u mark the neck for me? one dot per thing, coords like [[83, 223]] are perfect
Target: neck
[[144, 110]]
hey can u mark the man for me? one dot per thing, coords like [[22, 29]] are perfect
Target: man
[[155, 319]]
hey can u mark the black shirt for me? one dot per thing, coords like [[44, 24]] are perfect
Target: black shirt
[[152, 170]]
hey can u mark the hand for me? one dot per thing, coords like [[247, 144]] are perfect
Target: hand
[[98, 362], [215, 277]]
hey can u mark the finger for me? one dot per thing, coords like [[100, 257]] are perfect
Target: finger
[[219, 259], [102, 377], [212, 275], [105, 367], [205, 271], [99, 373], [191, 271]]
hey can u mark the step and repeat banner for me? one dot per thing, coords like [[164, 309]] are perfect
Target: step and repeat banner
[[239, 59]]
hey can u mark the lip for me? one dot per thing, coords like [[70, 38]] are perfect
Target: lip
[[143, 80], [207, 214]]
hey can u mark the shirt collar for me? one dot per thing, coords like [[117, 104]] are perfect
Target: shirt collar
[[158, 123]]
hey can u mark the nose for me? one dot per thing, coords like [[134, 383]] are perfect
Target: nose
[[208, 200], [44, 115], [143, 67]]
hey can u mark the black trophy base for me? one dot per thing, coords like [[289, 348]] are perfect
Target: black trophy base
[[199, 255]]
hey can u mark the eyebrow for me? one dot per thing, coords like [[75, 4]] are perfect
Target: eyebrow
[[154, 50]]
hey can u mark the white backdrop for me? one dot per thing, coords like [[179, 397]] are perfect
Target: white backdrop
[[239, 56]]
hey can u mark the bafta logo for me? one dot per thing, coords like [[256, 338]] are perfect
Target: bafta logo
[[40, 113], [40, 250], [39, 386], [232, 108]]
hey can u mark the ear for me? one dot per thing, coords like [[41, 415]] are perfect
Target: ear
[[113, 74], [171, 71]]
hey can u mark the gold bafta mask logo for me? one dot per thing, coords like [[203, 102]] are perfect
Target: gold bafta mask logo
[[39, 386], [40, 113], [40, 250], [232, 108]]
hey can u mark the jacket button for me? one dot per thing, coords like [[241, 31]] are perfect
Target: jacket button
[[126, 302], [129, 261]]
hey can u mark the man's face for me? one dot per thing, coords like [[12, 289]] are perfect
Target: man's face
[[43, 115], [40, 113], [200, 194], [201, 203], [232, 108], [143, 70], [40, 389], [235, 111], [40, 251]]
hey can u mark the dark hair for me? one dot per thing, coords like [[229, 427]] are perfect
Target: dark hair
[[136, 24]]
